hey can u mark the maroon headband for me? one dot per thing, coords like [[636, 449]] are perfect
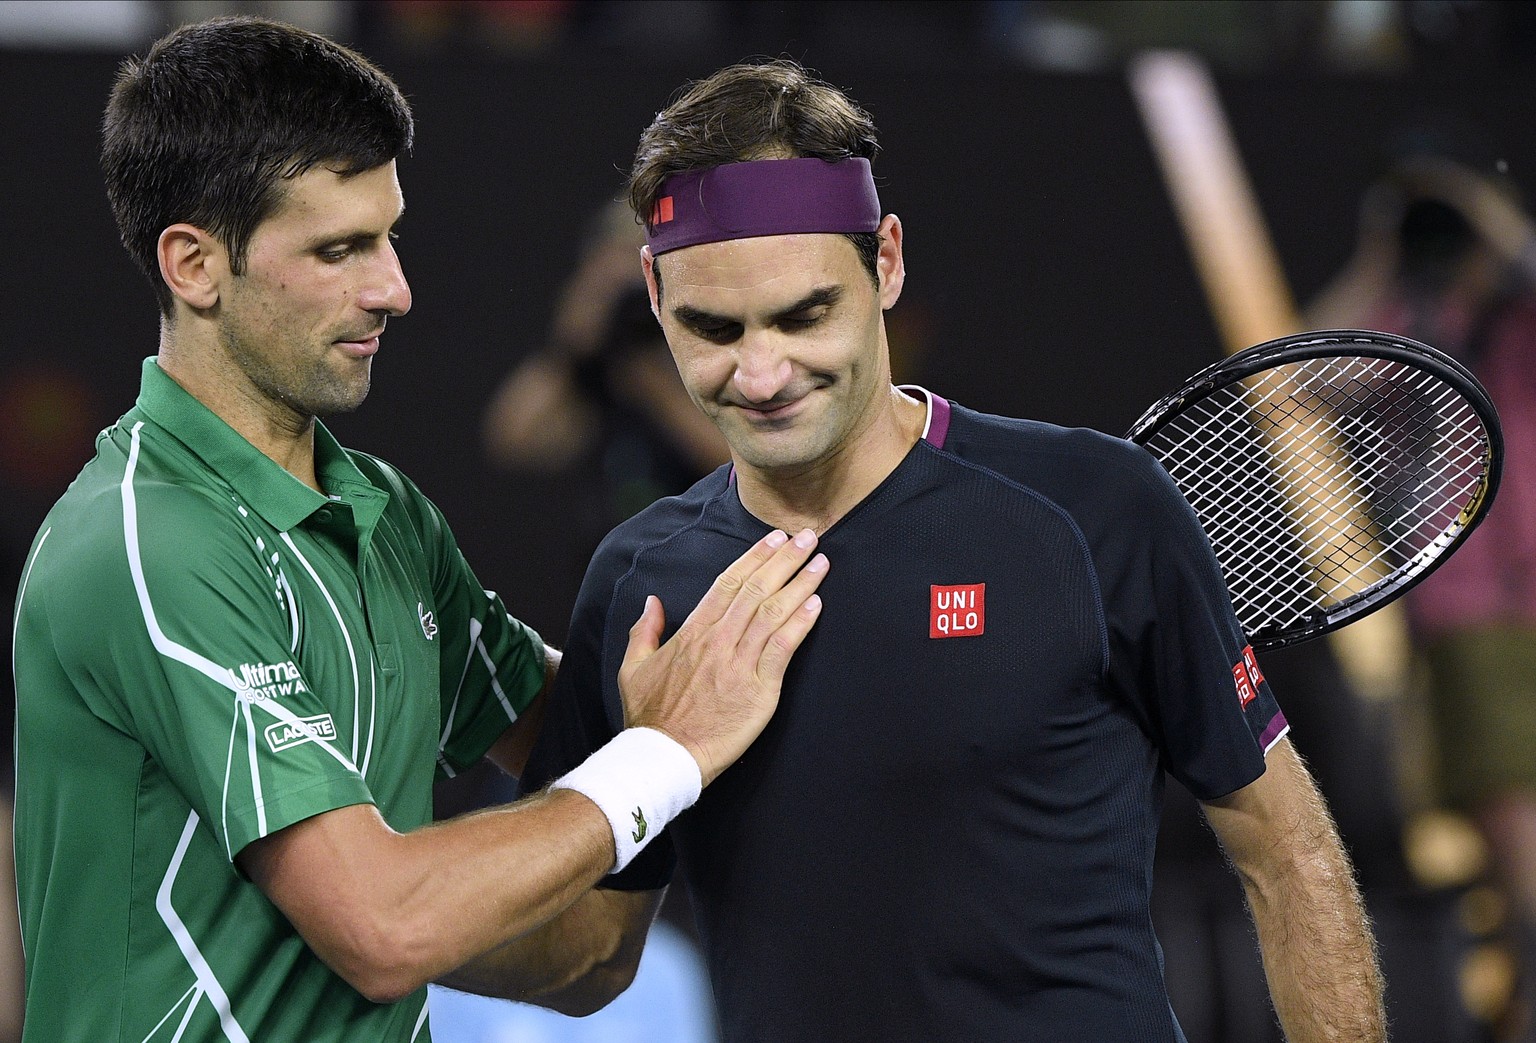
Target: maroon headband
[[763, 197]]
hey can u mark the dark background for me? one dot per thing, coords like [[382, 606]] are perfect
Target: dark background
[[1047, 276]]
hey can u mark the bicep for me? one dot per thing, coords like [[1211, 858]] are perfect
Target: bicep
[[391, 911], [315, 871]]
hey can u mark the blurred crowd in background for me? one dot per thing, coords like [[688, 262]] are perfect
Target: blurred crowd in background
[[1387, 36], [599, 399]]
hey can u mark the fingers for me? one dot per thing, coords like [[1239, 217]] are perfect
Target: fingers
[[767, 564], [772, 595], [715, 683], [780, 640], [645, 635]]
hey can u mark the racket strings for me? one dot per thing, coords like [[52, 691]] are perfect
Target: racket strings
[[1376, 461]]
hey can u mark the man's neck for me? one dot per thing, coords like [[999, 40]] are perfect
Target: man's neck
[[284, 436], [817, 495]]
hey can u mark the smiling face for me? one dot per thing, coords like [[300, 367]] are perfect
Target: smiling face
[[780, 340], [302, 323]]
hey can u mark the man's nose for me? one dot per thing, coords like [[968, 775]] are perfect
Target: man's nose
[[762, 368], [388, 292]]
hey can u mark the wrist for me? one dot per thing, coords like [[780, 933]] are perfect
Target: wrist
[[641, 780]]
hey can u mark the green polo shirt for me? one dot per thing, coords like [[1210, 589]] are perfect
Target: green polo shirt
[[208, 651]]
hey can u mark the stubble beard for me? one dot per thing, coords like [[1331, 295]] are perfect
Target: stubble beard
[[305, 385], [800, 446]]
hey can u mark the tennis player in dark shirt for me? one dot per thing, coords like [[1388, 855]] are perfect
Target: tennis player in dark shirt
[[947, 830]]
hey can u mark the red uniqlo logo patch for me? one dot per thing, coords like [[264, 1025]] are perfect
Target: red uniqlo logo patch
[[1251, 661], [959, 611], [1245, 692], [661, 213]]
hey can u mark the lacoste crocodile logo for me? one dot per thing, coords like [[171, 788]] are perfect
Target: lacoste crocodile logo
[[640, 826]]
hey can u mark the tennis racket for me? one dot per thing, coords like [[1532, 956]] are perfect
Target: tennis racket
[[1331, 471]]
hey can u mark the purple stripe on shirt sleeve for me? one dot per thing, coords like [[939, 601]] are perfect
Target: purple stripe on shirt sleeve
[[1273, 731]]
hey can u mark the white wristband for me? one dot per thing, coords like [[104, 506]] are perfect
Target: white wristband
[[641, 780]]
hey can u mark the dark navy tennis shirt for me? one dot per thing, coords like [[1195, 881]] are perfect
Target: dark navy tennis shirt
[[946, 832]]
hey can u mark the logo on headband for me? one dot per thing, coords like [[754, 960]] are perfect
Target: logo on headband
[[763, 197]]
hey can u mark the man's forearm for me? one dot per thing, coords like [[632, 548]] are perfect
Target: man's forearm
[[1316, 941], [1319, 953], [576, 963], [391, 911]]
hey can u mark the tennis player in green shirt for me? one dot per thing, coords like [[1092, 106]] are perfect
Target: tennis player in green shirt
[[244, 653]]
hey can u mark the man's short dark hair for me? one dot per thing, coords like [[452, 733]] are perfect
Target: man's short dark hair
[[753, 110], [210, 124]]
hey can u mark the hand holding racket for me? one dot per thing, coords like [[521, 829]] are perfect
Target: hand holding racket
[[1330, 470]]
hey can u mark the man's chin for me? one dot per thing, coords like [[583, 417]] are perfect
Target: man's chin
[[783, 458], [338, 402]]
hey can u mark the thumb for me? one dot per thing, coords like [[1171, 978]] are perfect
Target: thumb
[[645, 635]]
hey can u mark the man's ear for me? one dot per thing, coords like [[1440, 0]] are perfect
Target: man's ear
[[193, 264], [889, 262], [652, 283]]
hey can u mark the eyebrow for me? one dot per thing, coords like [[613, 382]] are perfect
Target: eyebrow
[[822, 296], [358, 235]]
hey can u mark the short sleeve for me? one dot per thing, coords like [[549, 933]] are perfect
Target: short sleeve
[[1176, 646], [492, 665]]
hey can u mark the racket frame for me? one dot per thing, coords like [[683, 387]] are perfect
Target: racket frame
[[1350, 343]]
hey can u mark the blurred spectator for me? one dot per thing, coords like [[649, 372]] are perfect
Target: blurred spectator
[[601, 393], [1445, 255], [600, 396]]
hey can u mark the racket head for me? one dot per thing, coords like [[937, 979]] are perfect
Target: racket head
[[1332, 471]]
